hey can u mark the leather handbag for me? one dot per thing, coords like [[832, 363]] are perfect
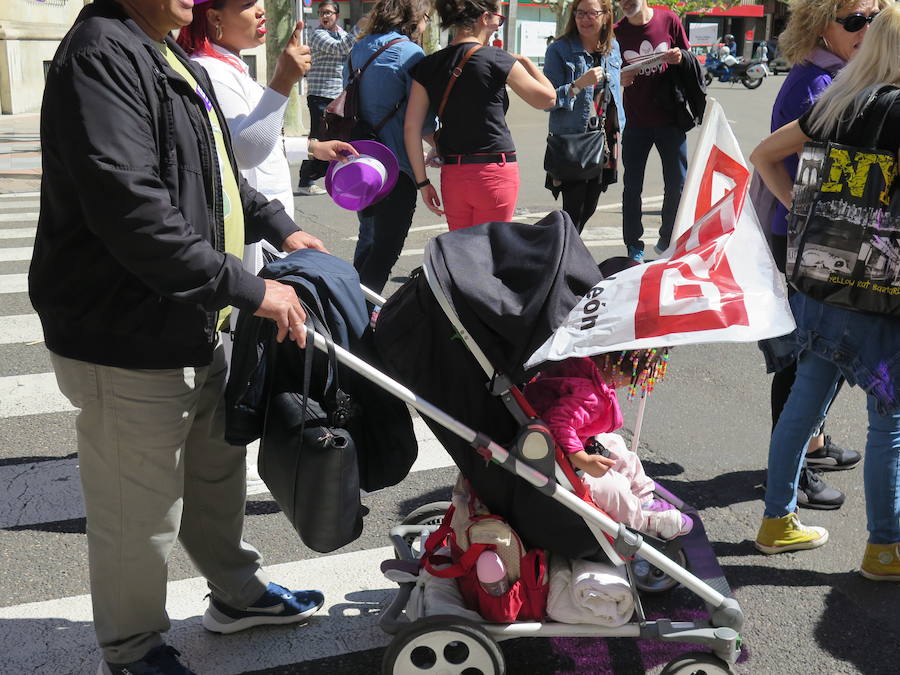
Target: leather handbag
[[580, 156], [844, 221], [308, 459]]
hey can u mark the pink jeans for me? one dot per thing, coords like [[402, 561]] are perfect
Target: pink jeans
[[479, 193], [624, 488]]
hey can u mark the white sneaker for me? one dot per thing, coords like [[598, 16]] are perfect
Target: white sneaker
[[311, 190], [255, 484], [667, 524]]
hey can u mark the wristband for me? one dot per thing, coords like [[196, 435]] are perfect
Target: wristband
[[423, 183], [574, 91]]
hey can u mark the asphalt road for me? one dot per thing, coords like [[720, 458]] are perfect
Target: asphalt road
[[705, 436]]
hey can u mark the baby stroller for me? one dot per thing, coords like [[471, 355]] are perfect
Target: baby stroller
[[458, 334]]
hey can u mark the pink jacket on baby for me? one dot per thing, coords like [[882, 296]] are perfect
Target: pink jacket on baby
[[575, 402]]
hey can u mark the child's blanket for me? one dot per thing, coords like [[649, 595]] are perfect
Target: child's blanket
[[589, 592]]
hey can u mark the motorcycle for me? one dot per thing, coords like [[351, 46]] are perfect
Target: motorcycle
[[748, 73]]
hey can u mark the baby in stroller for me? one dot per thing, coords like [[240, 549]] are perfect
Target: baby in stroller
[[577, 400]]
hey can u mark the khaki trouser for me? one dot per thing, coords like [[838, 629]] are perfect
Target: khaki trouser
[[155, 466]]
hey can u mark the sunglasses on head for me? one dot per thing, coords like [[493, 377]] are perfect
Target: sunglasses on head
[[855, 22]]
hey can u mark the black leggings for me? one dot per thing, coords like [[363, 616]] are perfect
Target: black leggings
[[580, 200]]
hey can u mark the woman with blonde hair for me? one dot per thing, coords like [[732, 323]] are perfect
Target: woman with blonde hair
[[583, 65], [833, 342], [820, 38]]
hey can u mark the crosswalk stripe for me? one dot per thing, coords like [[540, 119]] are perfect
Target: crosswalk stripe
[[16, 253], [23, 204], [20, 328], [50, 491], [29, 216], [18, 232], [13, 283], [33, 394], [14, 196], [56, 636]]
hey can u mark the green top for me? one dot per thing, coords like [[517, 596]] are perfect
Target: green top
[[231, 196]]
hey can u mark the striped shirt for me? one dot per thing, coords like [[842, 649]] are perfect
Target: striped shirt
[[329, 51]]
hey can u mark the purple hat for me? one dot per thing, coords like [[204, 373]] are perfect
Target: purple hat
[[362, 181]]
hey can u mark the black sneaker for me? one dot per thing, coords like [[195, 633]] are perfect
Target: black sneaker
[[831, 457], [277, 606], [812, 493], [162, 660]]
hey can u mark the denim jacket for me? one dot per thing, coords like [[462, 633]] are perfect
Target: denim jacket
[[385, 83], [567, 60]]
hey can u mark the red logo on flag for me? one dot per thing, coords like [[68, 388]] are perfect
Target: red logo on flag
[[695, 289]]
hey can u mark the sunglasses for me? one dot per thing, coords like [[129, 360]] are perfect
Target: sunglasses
[[499, 16], [855, 22]]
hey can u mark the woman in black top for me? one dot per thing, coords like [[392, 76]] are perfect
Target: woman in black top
[[834, 341], [479, 176]]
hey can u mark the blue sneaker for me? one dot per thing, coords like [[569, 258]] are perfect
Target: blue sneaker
[[277, 606], [161, 660], [636, 254]]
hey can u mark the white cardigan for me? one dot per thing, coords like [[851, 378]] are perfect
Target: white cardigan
[[255, 116]]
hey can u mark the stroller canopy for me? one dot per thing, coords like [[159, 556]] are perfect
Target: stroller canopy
[[513, 284]]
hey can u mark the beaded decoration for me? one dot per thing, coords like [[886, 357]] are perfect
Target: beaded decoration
[[645, 367]]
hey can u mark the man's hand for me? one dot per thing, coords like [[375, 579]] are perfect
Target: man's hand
[[293, 63], [281, 305], [331, 151], [593, 465], [299, 239], [672, 56]]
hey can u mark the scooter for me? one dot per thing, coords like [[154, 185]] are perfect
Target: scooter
[[748, 73]]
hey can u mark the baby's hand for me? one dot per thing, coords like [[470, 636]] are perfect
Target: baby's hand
[[594, 465]]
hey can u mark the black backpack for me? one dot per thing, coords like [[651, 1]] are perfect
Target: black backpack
[[343, 120]]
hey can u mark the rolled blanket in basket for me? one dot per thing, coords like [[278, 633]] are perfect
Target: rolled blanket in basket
[[589, 592]]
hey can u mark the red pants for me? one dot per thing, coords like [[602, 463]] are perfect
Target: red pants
[[479, 193]]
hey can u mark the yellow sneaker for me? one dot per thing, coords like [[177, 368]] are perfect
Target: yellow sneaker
[[777, 535], [881, 562]]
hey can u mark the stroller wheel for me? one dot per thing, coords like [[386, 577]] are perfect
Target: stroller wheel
[[697, 663], [427, 514], [446, 645], [650, 579]]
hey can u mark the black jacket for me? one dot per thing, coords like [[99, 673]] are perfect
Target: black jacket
[[683, 92], [129, 265]]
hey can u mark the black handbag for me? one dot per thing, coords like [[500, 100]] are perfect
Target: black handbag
[[844, 222], [308, 459], [581, 156]]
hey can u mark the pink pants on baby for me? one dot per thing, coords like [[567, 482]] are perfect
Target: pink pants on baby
[[624, 488]]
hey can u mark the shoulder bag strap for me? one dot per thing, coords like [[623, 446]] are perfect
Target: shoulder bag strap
[[885, 100], [454, 76], [374, 56]]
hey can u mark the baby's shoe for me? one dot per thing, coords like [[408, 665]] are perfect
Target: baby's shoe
[[668, 524], [881, 562], [657, 504]]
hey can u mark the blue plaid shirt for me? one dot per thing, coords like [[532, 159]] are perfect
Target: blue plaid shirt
[[329, 51]]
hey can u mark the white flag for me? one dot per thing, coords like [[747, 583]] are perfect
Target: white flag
[[717, 282]]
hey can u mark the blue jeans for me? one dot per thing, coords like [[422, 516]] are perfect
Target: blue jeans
[[671, 143], [815, 384], [382, 230]]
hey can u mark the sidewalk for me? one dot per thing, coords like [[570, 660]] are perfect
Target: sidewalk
[[20, 153]]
